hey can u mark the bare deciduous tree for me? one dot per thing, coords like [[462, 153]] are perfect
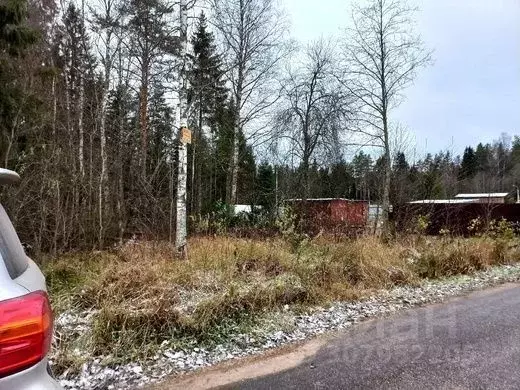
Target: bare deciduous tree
[[382, 57], [108, 42], [315, 111], [252, 32]]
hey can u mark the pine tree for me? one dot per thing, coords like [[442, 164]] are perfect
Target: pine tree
[[362, 167], [223, 140], [161, 135], [515, 152], [152, 37], [515, 161], [120, 131], [246, 172], [400, 163], [431, 183]]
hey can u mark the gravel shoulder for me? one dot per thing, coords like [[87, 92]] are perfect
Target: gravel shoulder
[[317, 321], [415, 341], [231, 371]]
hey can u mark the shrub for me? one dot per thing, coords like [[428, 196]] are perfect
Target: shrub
[[423, 222], [287, 224], [501, 229]]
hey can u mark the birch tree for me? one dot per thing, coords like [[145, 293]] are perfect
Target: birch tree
[[382, 57], [314, 111], [252, 33], [182, 115], [81, 97]]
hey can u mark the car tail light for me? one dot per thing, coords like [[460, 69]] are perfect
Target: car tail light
[[25, 331]]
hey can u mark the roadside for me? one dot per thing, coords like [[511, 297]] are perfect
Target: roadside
[[229, 372], [170, 360], [464, 343]]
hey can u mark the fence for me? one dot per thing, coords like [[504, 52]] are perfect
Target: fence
[[455, 218]]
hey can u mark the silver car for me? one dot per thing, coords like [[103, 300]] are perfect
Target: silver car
[[25, 313]]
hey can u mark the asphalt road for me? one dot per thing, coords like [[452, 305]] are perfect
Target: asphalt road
[[466, 343]]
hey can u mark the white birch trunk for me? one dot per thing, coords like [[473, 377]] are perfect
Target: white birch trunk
[[103, 175], [234, 167], [67, 102], [54, 107], [232, 194], [120, 187], [181, 231], [81, 103]]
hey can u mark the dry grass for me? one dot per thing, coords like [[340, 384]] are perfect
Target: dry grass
[[463, 256], [139, 289]]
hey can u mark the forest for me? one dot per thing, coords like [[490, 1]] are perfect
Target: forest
[[89, 116]]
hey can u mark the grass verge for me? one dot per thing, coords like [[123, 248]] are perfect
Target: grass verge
[[142, 296]]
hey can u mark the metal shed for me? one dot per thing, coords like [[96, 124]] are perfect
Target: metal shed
[[487, 197], [335, 215]]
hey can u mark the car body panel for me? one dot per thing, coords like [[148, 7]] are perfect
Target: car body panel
[[8, 287], [34, 378], [32, 279]]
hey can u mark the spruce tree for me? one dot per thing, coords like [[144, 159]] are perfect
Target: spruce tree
[[515, 151], [468, 166], [483, 157], [399, 189], [15, 37], [265, 186], [207, 91], [207, 95]]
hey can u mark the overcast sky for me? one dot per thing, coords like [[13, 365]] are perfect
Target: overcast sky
[[472, 92]]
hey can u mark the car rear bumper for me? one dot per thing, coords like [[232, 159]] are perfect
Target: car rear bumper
[[36, 377]]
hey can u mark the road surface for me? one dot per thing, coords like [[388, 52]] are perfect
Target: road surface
[[471, 342]]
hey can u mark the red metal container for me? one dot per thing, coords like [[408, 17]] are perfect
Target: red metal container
[[332, 215]]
